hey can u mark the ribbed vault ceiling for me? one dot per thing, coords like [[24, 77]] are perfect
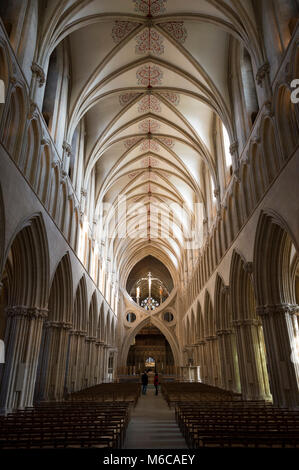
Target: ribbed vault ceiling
[[148, 79]]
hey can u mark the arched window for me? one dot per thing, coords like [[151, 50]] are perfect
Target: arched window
[[50, 90], [249, 90], [75, 141], [226, 146]]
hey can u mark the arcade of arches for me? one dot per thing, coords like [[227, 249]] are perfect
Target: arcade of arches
[[149, 195]]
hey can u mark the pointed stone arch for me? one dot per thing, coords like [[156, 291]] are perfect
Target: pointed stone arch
[[93, 316], [14, 121], [229, 364], [287, 123], [28, 264], [80, 313], [55, 335], [164, 330], [30, 258], [249, 331], [276, 305], [76, 371], [2, 231]]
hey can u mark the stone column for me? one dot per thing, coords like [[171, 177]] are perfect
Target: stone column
[[282, 356], [98, 361], [202, 360], [38, 82], [67, 153], [229, 360], [76, 360], [233, 150], [212, 360], [22, 338], [52, 365], [253, 375], [90, 358], [105, 362]]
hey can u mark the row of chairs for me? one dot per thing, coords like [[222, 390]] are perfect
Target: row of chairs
[[176, 392], [212, 417], [237, 424], [116, 392], [95, 417]]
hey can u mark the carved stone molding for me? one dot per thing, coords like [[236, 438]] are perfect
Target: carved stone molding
[[83, 192], [28, 312], [225, 290], [67, 148], [78, 332], [248, 267], [90, 339], [269, 109], [44, 142], [39, 73], [224, 205], [217, 192], [277, 309], [13, 80], [233, 148], [211, 338], [32, 110], [59, 325], [262, 72], [246, 322], [224, 332], [256, 140], [55, 164]]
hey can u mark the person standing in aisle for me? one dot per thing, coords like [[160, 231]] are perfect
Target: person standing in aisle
[[144, 380], [156, 382]]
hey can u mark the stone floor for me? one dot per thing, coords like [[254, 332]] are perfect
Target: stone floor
[[153, 425]]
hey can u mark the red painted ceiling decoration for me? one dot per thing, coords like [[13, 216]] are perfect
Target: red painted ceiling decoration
[[149, 103], [149, 162], [149, 125], [149, 41], [166, 141], [133, 175], [121, 29], [131, 142], [150, 7], [149, 145], [173, 98], [126, 98], [176, 29], [149, 75]]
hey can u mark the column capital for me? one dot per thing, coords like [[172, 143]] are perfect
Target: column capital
[[37, 70], [248, 267], [67, 147], [83, 192], [58, 324], [224, 332], [90, 339], [225, 289], [29, 312], [233, 148], [246, 322], [211, 338], [78, 332], [277, 309], [262, 72]]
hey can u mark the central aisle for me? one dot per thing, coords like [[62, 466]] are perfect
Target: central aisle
[[153, 425]]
